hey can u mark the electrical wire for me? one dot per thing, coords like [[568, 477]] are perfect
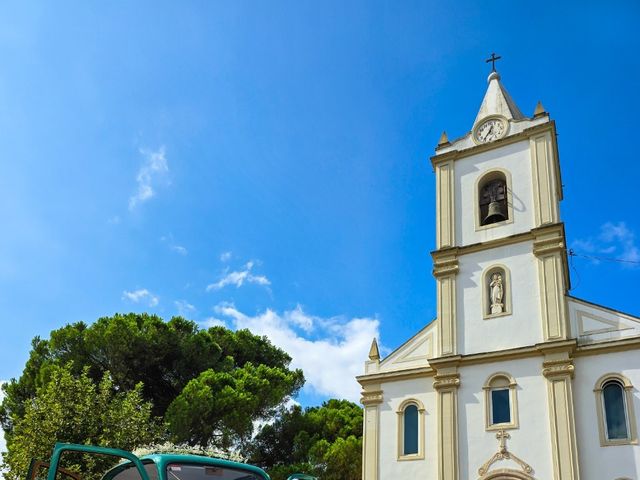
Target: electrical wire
[[572, 253]]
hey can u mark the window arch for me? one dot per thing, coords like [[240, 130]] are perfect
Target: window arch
[[616, 417], [500, 402], [411, 430], [496, 291], [493, 200]]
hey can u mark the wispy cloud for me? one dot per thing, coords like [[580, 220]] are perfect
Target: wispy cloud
[[239, 278], [213, 322], [179, 249], [173, 246], [153, 169], [615, 241], [142, 295], [330, 351], [185, 309], [225, 256]]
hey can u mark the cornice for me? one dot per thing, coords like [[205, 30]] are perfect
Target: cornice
[[517, 137], [421, 372], [548, 237], [620, 345], [566, 348]]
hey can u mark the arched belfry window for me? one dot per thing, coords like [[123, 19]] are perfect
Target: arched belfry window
[[496, 295], [616, 418], [493, 199], [411, 430], [500, 402]]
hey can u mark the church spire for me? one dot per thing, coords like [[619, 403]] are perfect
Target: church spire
[[497, 101]]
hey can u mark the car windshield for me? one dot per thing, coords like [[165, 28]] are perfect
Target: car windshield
[[178, 471]]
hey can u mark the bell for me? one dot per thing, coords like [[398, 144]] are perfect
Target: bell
[[494, 214]]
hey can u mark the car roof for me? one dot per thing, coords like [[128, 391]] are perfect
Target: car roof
[[164, 459]]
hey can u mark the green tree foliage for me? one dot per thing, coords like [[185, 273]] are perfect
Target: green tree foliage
[[219, 407], [76, 409], [163, 356], [325, 441]]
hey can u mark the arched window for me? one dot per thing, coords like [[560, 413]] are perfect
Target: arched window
[[493, 199], [500, 402], [616, 419], [411, 430], [496, 298]]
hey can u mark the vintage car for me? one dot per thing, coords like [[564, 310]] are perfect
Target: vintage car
[[130, 467]]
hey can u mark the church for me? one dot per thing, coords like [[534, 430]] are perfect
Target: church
[[515, 378]]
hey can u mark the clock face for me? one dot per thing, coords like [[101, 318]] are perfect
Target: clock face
[[491, 130]]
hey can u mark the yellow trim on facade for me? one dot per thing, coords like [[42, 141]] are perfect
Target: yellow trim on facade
[[514, 138], [372, 397], [445, 205], [545, 198], [558, 370]]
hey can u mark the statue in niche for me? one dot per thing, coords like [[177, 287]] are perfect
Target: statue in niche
[[496, 293]]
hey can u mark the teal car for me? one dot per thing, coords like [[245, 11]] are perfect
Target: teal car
[[148, 467]]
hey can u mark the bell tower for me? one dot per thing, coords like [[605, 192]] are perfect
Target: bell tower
[[500, 261]]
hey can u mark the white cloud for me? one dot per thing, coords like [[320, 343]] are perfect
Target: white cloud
[[330, 359], [141, 295], [239, 278], [213, 322], [185, 309], [615, 241], [225, 256], [179, 249], [173, 246], [154, 168]]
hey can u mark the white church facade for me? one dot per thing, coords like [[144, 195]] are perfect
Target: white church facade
[[515, 378]]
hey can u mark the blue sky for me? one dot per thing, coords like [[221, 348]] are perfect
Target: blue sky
[[265, 164]]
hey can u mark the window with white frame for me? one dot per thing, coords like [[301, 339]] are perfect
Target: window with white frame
[[501, 407], [411, 430], [616, 418]]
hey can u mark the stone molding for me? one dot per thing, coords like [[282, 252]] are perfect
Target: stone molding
[[525, 134], [446, 382], [558, 368], [372, 397]]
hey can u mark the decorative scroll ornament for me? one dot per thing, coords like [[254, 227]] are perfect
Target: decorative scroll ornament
[[503, 454]]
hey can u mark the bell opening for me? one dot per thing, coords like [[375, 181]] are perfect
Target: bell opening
[[493, 200]]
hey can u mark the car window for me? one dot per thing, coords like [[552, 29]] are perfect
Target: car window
[[177, 471], [131, 472]]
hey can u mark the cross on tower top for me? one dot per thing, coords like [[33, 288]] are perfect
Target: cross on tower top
[[493, 60]]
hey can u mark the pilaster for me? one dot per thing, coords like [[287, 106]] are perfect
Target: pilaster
[[372, 397], [549, 248], [546, 177], [445, 210], [445, 269], [558, 369], [446, 383]]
